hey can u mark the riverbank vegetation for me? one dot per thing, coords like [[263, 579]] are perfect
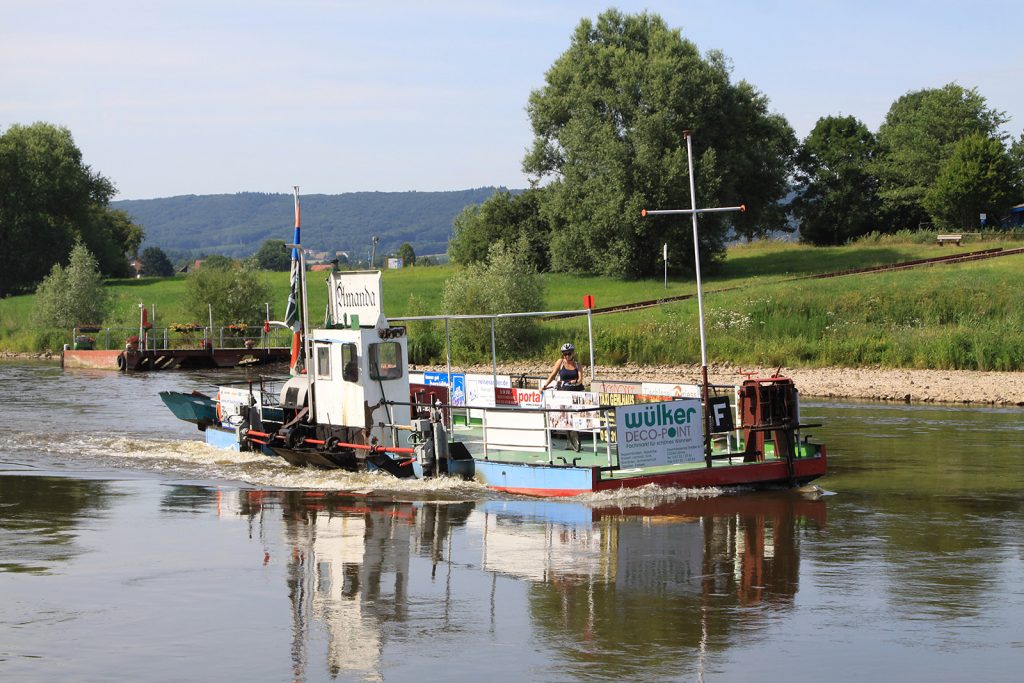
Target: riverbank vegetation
[[958, 316]]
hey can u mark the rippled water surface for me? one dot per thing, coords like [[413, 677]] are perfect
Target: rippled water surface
[[129, 550]]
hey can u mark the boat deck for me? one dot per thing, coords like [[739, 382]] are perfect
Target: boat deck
[[595, 453]]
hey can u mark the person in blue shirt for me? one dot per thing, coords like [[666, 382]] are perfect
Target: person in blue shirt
[[568, 371]]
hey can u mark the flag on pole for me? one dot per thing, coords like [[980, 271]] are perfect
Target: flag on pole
[[293, 312]]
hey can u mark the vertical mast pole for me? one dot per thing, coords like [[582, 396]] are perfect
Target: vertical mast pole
[[693, 211], [307, 352], [700, 302]]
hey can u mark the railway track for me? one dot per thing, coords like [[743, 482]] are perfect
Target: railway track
[[902, 265]]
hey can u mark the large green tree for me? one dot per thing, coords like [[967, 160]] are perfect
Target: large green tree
[[976, 178], [49, 199], [917, 137], [608, 127], [503, 216], [836, 189]]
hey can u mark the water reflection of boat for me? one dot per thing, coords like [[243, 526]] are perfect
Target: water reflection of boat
[[352, 567]]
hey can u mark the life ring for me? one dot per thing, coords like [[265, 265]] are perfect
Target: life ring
[[121, 362]]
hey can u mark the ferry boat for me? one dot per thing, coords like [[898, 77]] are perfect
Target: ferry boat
[[358, 406]]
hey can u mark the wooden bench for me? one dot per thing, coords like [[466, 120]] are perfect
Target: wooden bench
[[949, 238]]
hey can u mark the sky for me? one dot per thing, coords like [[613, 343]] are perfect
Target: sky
[[172, 97]]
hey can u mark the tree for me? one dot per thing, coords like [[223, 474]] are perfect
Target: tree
[[1017, 163], [502, 216], [836, 190], [238, 295], [71, 296], [50, 199], [218, 262], [506, 283], [917, 137], [608, 128], [155, 262], [407, 254], [274, 255], [976, 178]]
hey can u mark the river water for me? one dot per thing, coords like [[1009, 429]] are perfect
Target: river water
[[129, 550]]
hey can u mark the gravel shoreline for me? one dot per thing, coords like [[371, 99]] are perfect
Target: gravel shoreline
[[874, 384]]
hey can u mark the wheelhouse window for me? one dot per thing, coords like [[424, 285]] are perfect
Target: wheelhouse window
[[386, 360], [323, 361], [349, 363]]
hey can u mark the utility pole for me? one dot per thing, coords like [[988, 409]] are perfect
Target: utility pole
[[373, 254]]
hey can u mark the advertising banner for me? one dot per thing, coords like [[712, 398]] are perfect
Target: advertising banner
[[457, 389], [480, 389], [568, 403], [653, 434], [670, 390]]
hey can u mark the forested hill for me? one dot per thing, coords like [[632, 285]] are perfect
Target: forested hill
[[236, 224]]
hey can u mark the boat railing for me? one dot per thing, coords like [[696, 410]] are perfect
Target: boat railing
[[532, 429]]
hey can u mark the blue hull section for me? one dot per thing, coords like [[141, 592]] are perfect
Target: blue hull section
[[219, 437], [536, 480]]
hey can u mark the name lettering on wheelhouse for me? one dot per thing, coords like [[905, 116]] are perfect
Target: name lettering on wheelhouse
[[356, 299], [356, 296]]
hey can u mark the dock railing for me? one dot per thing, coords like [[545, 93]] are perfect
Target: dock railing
[[181, 337]]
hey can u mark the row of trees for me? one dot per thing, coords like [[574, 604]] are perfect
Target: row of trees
[[608, 142], [938, 159], [49, 201], [272, 255]]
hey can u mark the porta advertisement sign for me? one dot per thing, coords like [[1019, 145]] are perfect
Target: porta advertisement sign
[[652, 434], [513, 396]]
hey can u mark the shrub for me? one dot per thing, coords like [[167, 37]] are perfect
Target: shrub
[[236, 294], [507, 283], [73, 295]]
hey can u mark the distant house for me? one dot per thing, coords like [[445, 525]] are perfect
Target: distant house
[[321, 266]]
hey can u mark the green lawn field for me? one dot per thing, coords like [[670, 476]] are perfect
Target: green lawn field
[[968, 315]]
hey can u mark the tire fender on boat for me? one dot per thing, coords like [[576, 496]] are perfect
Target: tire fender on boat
[[121, 362]]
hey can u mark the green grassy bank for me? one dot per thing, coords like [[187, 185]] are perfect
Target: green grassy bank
[[963, 316]]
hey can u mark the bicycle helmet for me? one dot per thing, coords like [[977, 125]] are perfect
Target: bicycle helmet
[[567, 347]]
